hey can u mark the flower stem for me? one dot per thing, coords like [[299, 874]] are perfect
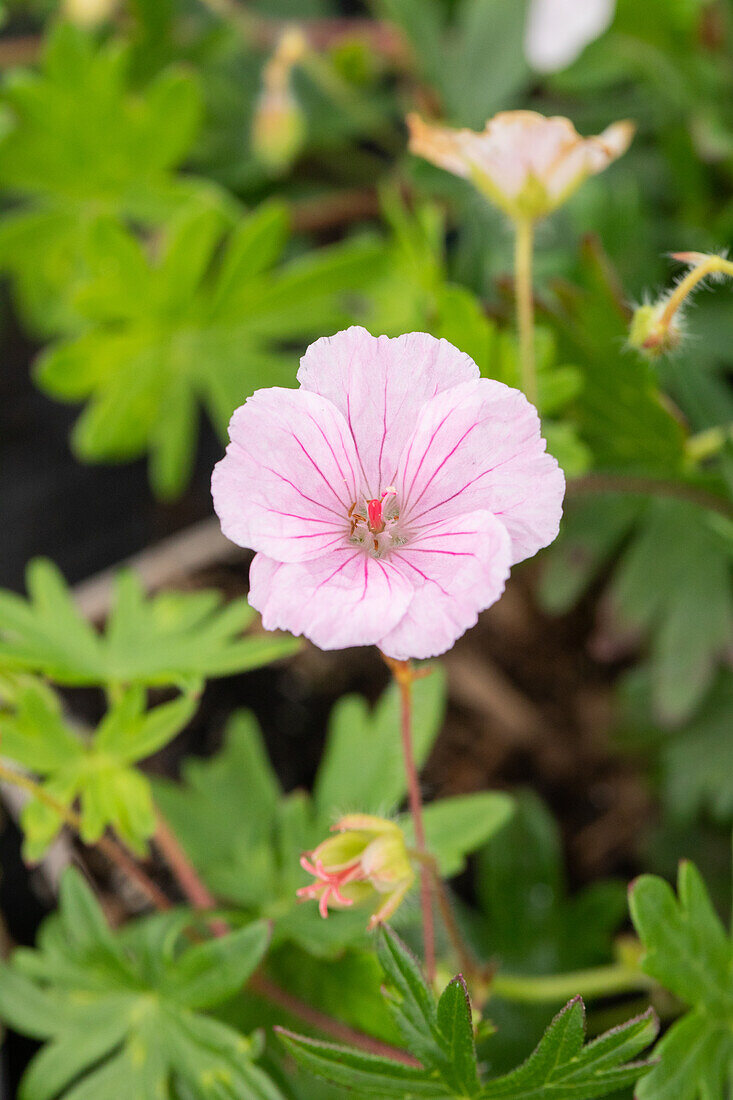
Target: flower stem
[[599, 981], [114, 852], [523, 249], [472, 968], [404, 675], [707, 265]]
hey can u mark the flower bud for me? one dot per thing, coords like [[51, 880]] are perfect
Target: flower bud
[[366, 862], [279, 125], [654, 331], [88, 14], [278, 130]]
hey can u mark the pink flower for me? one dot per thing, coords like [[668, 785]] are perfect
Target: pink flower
[[388, 496]]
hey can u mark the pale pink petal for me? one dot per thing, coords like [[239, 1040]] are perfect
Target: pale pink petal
[[345, 598], [559, 30], [478, 446], [289, 476], [460, 566], [380, 384]]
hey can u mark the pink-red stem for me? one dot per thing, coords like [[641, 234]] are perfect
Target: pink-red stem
[[404, 676]]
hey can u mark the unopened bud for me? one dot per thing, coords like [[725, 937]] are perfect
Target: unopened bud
[[654, 331], [88, 13], [279, 125], [278, 130], [367, 861]]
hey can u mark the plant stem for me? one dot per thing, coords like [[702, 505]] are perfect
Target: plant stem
[[403, 674], [472, 969], [114, 852], [599, 981], [707, 265], [523, 248]]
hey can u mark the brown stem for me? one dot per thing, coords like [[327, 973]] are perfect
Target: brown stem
[[404, 675], [114, 852], [332, 210], [186, 876], [650, 486]]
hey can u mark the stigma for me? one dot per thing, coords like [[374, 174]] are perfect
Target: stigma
[[375, 530]]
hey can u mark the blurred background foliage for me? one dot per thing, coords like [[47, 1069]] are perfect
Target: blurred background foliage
[[173, 233]]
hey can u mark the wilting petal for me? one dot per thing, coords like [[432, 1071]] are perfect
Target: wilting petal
[[559, 30], [380, 384], [478, 446], [587, 158], [345, 598], [289, 475], [460, 566], [524, 162]]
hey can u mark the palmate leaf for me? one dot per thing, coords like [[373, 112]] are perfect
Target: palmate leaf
[[169, 638], [203, 323], [440, 1037], [563, 1066], [96, 770], [82, 141], [121, 1014], [672, 583], [690, 953]]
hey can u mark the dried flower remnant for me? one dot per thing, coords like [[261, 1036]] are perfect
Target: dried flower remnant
[[388, 497], [367, 861], [558, 31], [525, 163], [657, 328]]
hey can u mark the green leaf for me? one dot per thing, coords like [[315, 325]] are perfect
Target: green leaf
[[456, 826], [688, 607], [475, 62], [169, 638], [209, 973], [563, 1067], [121, 1015], [529, 924], [412, 1003], [455, 1024], [95, 767], [377, 785], [364, 1074], [687, 612], [224, 813], [689, 952], [441, 1039], [84, 139], [202, 322], [697, 761], [619, 411]]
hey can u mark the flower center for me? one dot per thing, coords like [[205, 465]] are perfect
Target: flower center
[[373, 524]]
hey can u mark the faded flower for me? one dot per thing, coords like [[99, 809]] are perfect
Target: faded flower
[[525, 163], [367, 861]]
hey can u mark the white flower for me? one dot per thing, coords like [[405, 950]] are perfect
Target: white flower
[[559, 30]]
